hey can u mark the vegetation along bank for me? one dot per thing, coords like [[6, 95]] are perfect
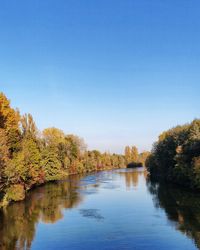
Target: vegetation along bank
[[175, 157], [29, 158]]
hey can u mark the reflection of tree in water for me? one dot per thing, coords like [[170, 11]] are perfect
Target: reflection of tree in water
[[18, 221], [181, 207], [132, 177]]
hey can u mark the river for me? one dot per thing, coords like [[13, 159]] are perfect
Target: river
[[119, 209]]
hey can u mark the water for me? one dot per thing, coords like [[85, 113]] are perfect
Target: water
[[117, 209]]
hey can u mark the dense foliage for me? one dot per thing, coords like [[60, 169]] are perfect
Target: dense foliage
[[133, 158], [29, 157], [176, 155]]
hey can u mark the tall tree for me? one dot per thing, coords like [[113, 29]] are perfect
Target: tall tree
[[9, 134], [134, 154], [127, 154], [28, 126], [4, 155], [9, 122]]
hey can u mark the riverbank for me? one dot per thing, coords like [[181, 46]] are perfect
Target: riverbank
[[30, 158], [18, 192]]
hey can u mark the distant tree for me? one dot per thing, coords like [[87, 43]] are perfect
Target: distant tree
[[127, 154], [75, 147], [134, 154], [143, 156]]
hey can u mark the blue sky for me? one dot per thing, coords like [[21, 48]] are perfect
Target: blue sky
[[114, 72]]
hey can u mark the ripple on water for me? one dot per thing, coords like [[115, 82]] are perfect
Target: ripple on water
[[92, 214]]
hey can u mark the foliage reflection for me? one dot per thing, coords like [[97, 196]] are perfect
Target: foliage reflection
[[18, 221], [182, 207]]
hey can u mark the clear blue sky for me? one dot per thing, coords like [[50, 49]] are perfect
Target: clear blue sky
[[114, 72]]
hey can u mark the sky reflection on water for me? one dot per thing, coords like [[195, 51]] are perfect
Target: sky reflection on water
[[118, 209]]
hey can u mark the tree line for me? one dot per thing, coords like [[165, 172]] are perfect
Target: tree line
[[29, 157], [133, 158], [175, 157]]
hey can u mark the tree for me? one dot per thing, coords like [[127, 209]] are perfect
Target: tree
[[134, 154], [53, 136], [143, 156], [25, 167], [28, 158], [28, 126], [51, 165], [4, 154], [9, 135], [9, 122], [175, 156], [127, 154]]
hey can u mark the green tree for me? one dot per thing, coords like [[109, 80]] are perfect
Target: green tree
[[51, 165], [25, 167], [175, 156]]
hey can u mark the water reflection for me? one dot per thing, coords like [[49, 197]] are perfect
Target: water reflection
[[18, 221], [182, 208], [132, 176]]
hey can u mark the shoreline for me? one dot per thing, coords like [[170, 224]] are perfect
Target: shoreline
[[4, 203]]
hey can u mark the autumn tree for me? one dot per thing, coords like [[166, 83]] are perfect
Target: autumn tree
[[28, 126], [53, 153], [127, 154], [9, 134], [9, 122], [4, 155], [29, 158], [143, 156], [25, 166], [134, 154], [53, 136], [131, 154]]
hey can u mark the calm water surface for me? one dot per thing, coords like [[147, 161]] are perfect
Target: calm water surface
[[117, 209]]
